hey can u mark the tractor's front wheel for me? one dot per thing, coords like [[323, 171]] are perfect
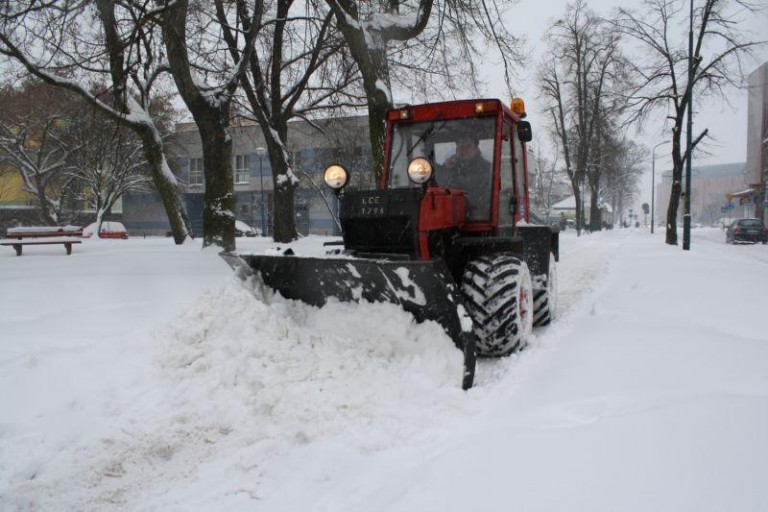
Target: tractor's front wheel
[[545, 295], [498, 295]]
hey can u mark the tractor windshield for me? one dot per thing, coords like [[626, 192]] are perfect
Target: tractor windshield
[[461, 151]]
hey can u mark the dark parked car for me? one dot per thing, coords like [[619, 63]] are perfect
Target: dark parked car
[[746, 230]]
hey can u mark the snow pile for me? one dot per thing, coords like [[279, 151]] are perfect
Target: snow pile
[[237, 380], [290, 370]]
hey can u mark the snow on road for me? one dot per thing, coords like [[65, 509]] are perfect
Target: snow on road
[[141, 376]]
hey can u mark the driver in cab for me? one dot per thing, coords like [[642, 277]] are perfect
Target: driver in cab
[[467, 170]]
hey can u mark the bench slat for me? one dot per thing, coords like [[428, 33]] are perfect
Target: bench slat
[[42, 241], [43, 231], [18, 244]]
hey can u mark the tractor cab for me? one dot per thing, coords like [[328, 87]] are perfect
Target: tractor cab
[[470, 148], [461, 152]]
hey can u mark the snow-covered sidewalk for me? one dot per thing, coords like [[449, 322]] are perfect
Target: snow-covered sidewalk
[[137, 375]]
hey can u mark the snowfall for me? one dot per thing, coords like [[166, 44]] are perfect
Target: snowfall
[[136, 375]]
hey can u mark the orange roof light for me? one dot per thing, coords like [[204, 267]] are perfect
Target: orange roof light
[[486, 107], [517, 105], [402, 114]]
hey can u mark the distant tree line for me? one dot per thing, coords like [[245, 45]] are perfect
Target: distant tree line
[[606, 75]]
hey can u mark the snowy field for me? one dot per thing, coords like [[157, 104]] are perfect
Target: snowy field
[[140, 376]]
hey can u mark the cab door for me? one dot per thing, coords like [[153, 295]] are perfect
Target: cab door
[[507, 194]]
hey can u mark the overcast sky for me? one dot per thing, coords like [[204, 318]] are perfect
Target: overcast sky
[[726, 124]]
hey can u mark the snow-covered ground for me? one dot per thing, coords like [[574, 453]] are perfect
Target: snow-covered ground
[[136, 375]]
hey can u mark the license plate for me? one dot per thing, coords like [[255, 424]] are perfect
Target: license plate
[[372, 206]]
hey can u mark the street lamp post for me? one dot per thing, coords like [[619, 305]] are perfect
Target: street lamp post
[[260, 152], [689, 142], [653, 183]]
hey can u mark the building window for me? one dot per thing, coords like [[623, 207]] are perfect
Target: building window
[[297, 159], [195, 171], [242, 168]]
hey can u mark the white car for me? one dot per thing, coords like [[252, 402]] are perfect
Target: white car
[[243, 229], [109, 229]]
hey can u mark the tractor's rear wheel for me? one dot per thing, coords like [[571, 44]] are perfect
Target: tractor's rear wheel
[[497, 292], [545, 295]]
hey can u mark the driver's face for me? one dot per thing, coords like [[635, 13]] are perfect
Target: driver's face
[[466, 148]]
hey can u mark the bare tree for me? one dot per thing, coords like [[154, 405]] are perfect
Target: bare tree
[[582, 82], [36, 142], [440, 62], [553, 89], [56, 42], [368, 29], [385, 33], [546, 177], [718, 49], [108, 164], [207, 76], [300, 67], [623, 159]]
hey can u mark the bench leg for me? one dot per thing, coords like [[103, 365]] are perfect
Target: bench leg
[[17, 247], [69, 248]]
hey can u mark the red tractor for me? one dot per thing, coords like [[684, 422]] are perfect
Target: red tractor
[[448, 234]]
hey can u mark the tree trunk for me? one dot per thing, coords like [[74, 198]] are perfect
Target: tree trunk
[[47, 215], [285, 215], [677, 183], [284, 184], [219, 202], [162, 177], [674, 202], [165, 185], [375, 75], [378, 104], [595, 214], [374, 68], [211, 114], [578, 205]]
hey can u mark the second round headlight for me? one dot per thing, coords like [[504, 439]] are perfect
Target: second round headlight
[[420, 170], [335, 176]]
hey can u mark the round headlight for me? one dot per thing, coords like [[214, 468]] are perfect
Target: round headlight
[[420, 170], [335, 176]]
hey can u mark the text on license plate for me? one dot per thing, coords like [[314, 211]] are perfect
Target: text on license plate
[[372, 206], [372, 211]]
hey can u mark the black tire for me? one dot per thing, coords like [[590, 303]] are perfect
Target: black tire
[[545, 295], [497, 292]]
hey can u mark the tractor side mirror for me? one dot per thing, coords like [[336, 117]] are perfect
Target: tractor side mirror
[[524, 132]]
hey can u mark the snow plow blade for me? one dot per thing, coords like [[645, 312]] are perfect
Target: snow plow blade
[[424, 289]]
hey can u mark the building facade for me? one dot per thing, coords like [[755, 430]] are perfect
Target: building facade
[[21, 208], [711, 186], [737, 190], [757, 142], [313, 146]]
